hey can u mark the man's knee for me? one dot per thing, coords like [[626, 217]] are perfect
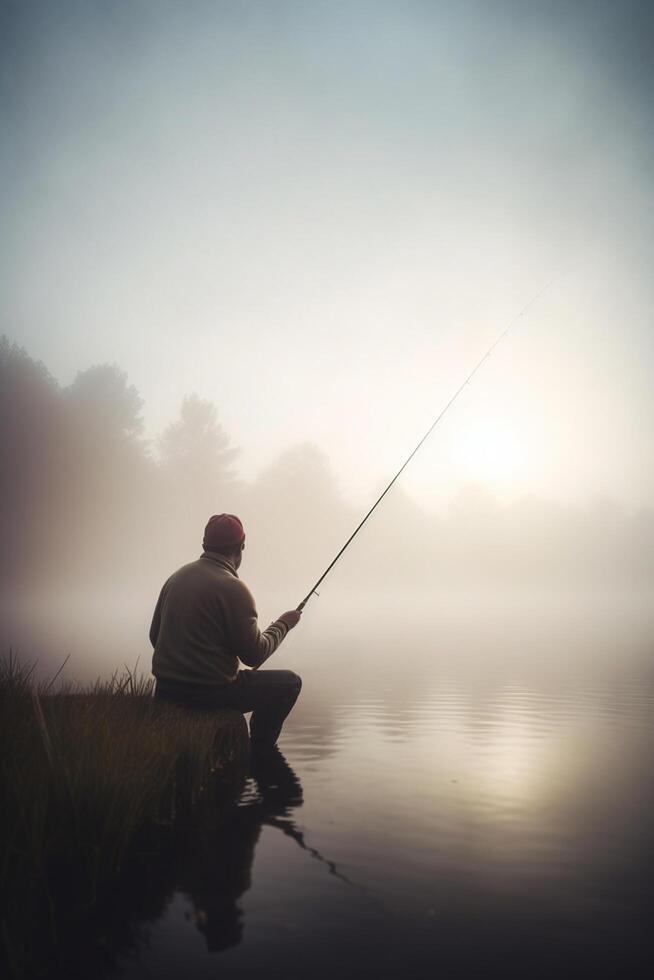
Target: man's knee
[[294, 682]]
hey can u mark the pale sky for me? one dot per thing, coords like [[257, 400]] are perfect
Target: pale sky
[[320, 215]]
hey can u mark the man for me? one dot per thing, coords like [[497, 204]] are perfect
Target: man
[[204, 622]]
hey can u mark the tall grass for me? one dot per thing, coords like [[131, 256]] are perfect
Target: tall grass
[[91, 777]]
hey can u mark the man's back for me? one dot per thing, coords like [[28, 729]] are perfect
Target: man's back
[[191, 642], [205, 622]]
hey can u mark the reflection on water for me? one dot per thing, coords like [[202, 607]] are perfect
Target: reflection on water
[[217, 869], [440, 819]]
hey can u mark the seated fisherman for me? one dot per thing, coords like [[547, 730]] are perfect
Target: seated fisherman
[[204, 622]]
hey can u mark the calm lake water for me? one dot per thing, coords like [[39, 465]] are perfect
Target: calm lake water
[[471, 797]]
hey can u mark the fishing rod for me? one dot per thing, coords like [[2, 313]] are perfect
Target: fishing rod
[[429, 431]]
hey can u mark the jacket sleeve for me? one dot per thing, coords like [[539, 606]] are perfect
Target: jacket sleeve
[[250, 645]]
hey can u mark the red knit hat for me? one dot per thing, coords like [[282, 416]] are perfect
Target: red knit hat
[[223, 531]]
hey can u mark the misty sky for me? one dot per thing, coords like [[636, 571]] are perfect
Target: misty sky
[[319, 216]]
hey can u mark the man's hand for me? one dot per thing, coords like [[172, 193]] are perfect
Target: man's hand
[[291, 618]]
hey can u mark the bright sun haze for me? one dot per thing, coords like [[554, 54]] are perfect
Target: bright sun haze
[[490, 453]]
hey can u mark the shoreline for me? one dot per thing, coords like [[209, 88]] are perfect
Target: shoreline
[[96, 780]]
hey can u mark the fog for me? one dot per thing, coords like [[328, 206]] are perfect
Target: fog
[[95, 519], [250, 250]]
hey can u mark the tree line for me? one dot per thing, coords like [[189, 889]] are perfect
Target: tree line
[[89, 502]]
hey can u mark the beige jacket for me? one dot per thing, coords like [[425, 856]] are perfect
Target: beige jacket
[[204, 622]]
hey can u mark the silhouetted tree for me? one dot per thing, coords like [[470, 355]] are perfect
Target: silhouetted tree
[[196, 447], [196, 475], [102, 397], [30, 426], [111, 480]]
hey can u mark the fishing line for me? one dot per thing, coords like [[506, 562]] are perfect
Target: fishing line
[[431, 428]]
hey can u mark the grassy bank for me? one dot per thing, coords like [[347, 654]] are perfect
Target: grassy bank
[[93, 779]]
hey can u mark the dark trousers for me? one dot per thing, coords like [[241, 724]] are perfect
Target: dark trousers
[[268, 694]]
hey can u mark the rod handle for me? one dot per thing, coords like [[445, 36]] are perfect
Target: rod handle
[[306, 599]]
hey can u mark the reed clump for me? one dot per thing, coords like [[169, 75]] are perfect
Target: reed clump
[[92, 777]]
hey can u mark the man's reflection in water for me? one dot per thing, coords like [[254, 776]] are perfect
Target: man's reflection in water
[[219, 868]]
